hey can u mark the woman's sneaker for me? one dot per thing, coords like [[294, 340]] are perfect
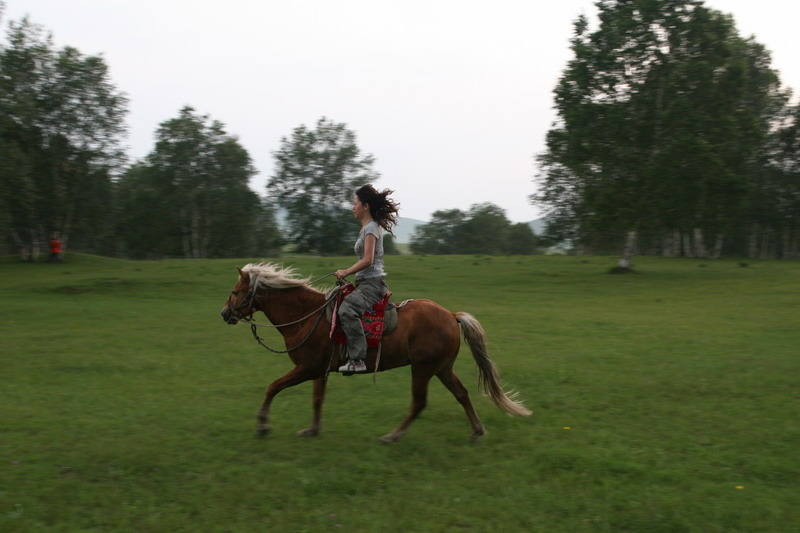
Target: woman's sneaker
[[356, 366]]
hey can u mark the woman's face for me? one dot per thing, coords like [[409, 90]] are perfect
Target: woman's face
[[359, 209]]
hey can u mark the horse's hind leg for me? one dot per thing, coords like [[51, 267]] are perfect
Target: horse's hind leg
[[316, 421], [420, 377], [454, 385], [293, 377]]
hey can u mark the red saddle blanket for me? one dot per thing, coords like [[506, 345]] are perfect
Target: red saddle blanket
[[372, 320]]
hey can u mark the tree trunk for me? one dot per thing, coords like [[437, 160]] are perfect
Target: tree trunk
[[766, 245], [686, 244], [699, 244], [624, 263], [668, 244], [195, 241], [788, 244], [185, 234], [672, 243], [22, 246], [65, 231], [752, 245], [792, 250], [32, 247], [718, 242]]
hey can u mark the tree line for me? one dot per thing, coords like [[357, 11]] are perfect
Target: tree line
[[674, 137], [60, 130], [64, 174], [483, 229]]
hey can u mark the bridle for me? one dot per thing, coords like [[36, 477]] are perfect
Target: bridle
[[249, 300], [246, 302]]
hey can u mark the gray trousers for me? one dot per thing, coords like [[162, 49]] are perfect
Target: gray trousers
[[367, 293]]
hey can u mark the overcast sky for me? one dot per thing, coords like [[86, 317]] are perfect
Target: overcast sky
[[452, 97]]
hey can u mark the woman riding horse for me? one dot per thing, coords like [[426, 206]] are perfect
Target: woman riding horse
[[376, 211], [427, 337]]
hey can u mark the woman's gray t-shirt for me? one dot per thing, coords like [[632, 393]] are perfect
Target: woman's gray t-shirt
[[376, 269]]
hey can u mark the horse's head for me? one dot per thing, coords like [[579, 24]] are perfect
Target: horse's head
[[240, 302]]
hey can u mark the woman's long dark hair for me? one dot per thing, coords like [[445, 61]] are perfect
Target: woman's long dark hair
[[382, 208]]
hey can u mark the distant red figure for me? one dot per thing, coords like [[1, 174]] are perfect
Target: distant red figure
[[55, 249]]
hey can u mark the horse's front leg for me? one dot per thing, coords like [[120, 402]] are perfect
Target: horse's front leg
[[319, 397], [297, 375]]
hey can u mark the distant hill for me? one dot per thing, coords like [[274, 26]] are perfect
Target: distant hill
[[538, 225], [405, 229]]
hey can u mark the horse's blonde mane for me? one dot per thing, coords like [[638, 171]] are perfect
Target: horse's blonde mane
[[272, 276]]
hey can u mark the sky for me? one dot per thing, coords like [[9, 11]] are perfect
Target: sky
[[453, 98]]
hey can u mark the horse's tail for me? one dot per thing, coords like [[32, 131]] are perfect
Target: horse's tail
[[489, 375]]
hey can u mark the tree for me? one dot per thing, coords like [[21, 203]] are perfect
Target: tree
[[268, 239], [773, 222], [190, 195], [316, 175], [521, 240], [61, 124], [483, 229], [389, 246], [440, 235], [145, 223], [660, 118]]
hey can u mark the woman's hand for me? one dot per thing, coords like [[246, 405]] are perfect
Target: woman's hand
[[340, 274]]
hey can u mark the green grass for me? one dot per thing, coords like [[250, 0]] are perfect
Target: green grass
[[664, 401]]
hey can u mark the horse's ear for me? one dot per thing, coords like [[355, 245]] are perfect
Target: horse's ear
[[241, 274]]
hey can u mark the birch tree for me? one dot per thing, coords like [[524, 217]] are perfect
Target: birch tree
[[317, 172], [191, 192], [61, 127], [661, 115]]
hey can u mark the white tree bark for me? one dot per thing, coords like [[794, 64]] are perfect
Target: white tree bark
[[624, 263], [700, 249]]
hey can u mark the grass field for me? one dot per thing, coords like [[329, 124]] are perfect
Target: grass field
[[664, 401]]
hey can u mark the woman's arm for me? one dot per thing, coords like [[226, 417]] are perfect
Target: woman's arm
[[369, 257]]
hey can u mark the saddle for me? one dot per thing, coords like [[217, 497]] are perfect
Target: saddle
[[379, 320]]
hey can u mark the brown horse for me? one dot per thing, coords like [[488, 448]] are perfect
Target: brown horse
[[427, 337]]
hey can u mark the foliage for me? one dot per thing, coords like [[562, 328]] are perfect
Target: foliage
[[389, 246], [190, 196], [774, 209], [439, 235], [663, 113], [659, 402], [61, 123], [316, 175], [484, 229]]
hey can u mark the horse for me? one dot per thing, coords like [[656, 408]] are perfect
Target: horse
[[427, 337]]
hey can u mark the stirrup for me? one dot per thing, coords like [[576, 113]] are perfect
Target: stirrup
[[351, 367]]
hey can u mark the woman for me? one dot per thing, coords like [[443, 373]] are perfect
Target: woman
[[376, 211]]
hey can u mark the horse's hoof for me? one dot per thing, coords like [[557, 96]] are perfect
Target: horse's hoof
[[390, 438], [309, 432], [477, 434], [263, 432]]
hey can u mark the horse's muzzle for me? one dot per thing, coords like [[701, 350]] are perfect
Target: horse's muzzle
[[227, 316]]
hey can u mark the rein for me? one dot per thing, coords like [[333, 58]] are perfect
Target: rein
[[320, 311], [249, 319], [260, 341]]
